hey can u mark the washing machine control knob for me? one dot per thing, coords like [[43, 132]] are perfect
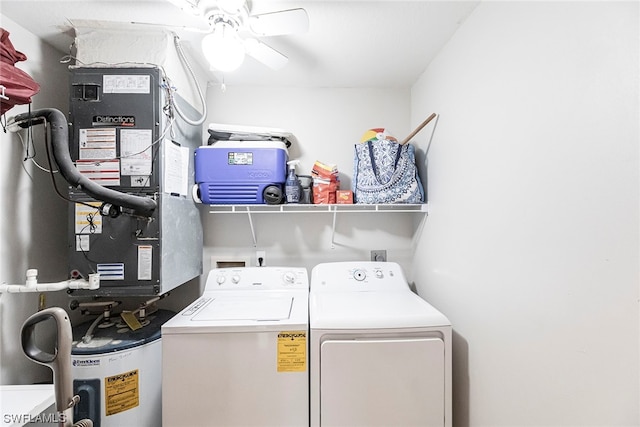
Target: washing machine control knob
[[379, 274], [289, 278], [235, 279], [359, 275], [220, 280]]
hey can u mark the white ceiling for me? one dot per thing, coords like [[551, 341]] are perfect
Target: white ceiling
[[350, 43]]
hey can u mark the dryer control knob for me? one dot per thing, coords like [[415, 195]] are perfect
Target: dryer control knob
[[220, 280], [359, 275], [235, 279]]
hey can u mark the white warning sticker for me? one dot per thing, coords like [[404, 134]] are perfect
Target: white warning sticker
[[103, 172], [135, 151], [145, 262], [111, 271], [126, 83], [97, 144]]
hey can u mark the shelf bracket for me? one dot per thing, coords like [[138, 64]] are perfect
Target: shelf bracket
[[333, 229], [253, 230], [418, 231]]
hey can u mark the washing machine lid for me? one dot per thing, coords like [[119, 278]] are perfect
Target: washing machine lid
[[245, 308], [372, 310], [242, 312]]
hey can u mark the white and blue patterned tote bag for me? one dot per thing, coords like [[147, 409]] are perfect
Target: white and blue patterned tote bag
[[385, 172]]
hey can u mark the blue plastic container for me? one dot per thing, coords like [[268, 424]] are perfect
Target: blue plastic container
[[238, 172]]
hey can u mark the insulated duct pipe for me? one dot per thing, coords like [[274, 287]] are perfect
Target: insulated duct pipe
[[143, 206]]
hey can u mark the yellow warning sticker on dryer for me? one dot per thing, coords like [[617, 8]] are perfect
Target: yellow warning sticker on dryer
[[292, 351], [121, 392]]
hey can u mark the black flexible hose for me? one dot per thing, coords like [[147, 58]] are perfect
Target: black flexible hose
[[143, 206]]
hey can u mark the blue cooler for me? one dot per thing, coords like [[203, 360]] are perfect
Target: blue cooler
[[241, 172]]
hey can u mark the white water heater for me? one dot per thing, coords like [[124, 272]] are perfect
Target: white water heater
[[118, 372]]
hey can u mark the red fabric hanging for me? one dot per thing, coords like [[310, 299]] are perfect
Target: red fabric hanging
[[19, 87]]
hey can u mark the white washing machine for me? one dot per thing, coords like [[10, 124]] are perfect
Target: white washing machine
[[238, 356], [380, 355]]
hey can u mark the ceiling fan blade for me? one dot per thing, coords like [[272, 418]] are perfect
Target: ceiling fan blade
[[176, 27], [292, 21], [186, 5], [265, 54]]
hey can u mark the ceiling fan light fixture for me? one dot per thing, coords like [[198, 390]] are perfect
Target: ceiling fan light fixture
[[223, 48]]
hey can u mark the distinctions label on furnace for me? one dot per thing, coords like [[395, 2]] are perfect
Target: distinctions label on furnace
[[121, 392], [292, 351]]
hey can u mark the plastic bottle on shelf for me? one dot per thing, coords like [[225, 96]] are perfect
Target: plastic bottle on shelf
[[292, 185]]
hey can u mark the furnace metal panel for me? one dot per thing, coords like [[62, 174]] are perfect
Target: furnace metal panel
[[115, 113]]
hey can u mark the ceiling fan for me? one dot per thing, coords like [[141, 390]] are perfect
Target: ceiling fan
[[234, 31]]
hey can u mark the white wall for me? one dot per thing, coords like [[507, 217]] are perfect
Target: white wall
[[326, 123], [33, 222], [531, 244]]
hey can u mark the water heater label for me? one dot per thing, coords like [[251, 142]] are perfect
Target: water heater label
[[121, 392], [292, 351], [85, 362]]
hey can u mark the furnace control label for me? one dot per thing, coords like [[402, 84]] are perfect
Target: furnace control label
[[126, 83], [292, 351], [121, 392]]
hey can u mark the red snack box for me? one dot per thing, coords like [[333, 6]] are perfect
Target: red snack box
[[344, 197]]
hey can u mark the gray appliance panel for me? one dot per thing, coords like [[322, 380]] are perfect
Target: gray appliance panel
[[171, 240]]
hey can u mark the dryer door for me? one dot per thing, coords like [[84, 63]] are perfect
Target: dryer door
[[382, 382]]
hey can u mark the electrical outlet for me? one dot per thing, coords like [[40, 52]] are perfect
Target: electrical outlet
[[261, 260], [379, 255]]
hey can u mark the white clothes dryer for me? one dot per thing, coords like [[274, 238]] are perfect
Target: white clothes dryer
[[237, 356], [380, 355]]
